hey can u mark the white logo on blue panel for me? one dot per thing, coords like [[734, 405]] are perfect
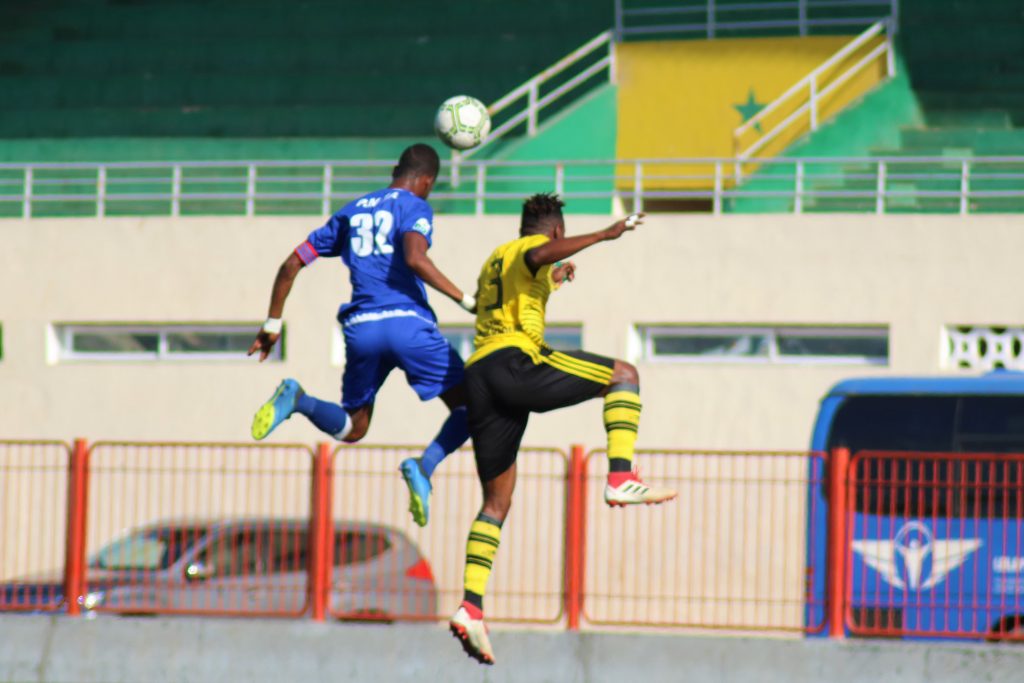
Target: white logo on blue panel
[[902, 561]]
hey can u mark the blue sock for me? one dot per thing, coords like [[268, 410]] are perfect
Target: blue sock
[[329, 418], [453, 434]]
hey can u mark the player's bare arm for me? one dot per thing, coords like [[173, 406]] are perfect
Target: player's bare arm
[[286, 275], [415, 247], [557, 250]]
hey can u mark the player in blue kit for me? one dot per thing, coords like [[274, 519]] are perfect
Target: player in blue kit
[[383, 238]]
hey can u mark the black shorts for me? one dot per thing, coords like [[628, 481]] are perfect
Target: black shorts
[[504, 387]]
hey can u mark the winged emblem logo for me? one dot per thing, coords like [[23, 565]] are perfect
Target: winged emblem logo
[[903, 561]]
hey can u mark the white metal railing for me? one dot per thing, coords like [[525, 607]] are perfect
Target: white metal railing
[[535, 101], [807, 94], [712, 18], [253, 188]]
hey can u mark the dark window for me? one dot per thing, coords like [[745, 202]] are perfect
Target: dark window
[[287, 550], [992, 424], [352, 547], [234, 554], [971, 486], [150, 549]]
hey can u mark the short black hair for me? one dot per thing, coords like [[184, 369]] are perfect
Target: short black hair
[[539, 210], [418, 159]]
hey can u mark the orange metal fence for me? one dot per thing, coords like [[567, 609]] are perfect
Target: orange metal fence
[[918, 543], [935, 545], [197, 528], [390, 576], [33, 524], [728, 553]]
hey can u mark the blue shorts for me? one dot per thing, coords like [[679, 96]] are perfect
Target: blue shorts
[[374, 348]]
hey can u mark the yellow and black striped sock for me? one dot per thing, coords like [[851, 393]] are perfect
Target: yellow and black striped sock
[[621, 421], [482, 546]]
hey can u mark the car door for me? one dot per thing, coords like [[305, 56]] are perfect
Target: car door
[[223, 577], [284, 587]]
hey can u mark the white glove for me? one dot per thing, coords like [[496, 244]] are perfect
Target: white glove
[[468, 302]]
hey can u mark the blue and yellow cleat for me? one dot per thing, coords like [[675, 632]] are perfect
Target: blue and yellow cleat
[[419, 490], [275, 411]]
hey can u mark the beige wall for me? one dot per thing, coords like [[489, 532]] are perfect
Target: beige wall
[[914, 273]]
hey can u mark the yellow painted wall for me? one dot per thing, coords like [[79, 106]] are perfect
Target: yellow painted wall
[[681, 98]]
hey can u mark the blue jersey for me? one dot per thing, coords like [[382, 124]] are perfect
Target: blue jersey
[[367, 234]]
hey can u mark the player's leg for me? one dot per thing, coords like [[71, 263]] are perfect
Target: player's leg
[[621, 423], [433, 368], [366, 368], [619, 383], [497, 432]]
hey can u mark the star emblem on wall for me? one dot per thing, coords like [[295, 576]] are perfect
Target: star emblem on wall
[[749, 109]]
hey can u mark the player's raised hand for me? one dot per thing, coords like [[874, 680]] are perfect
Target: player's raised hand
[[563, 272], [264, 343], [628, 223]]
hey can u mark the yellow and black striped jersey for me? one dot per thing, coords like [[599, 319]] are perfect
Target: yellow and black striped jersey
[[511, 300]]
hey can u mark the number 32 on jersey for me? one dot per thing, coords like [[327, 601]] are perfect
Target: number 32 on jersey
[[371, 233]]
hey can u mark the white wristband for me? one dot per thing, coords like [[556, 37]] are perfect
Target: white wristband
[[632, 220], [272, 326], [468, 302]]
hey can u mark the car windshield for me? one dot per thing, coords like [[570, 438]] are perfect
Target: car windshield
[[149, 549]]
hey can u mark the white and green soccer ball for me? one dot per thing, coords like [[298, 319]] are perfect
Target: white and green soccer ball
[[462, 122]]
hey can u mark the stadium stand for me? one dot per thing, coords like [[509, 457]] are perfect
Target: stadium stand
[[956, 99], [75, 69]]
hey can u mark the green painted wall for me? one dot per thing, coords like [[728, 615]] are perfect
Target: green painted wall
[[584, 130]]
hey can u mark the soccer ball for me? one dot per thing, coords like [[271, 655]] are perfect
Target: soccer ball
[[462, 122]]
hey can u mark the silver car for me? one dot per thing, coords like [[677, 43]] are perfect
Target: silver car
[[259, 567]]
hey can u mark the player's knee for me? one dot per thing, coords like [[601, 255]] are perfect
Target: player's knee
[[354, 435], [625, 373], [360, 425]]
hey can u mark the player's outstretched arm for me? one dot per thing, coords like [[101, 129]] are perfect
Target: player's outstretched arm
[[554, 251], [415, 247], [271, 330]]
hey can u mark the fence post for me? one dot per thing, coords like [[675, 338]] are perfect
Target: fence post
[[838, 475], [328, 184], [320, 533], [26, 197], [880, 187], [575, 547], [250, 191], [965, 187], [798, 197], [638, 187], [101, 192], [74, 551], [716, 198], [176, 190], [456, 159], [480, 191]]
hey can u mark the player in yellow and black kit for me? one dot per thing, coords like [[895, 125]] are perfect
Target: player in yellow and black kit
[[513, 373]]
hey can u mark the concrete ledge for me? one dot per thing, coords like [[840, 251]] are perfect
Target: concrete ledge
[[39, 649]]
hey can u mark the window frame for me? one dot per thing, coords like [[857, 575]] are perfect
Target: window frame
[[466, 332], [647, 332], [63, 335]]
